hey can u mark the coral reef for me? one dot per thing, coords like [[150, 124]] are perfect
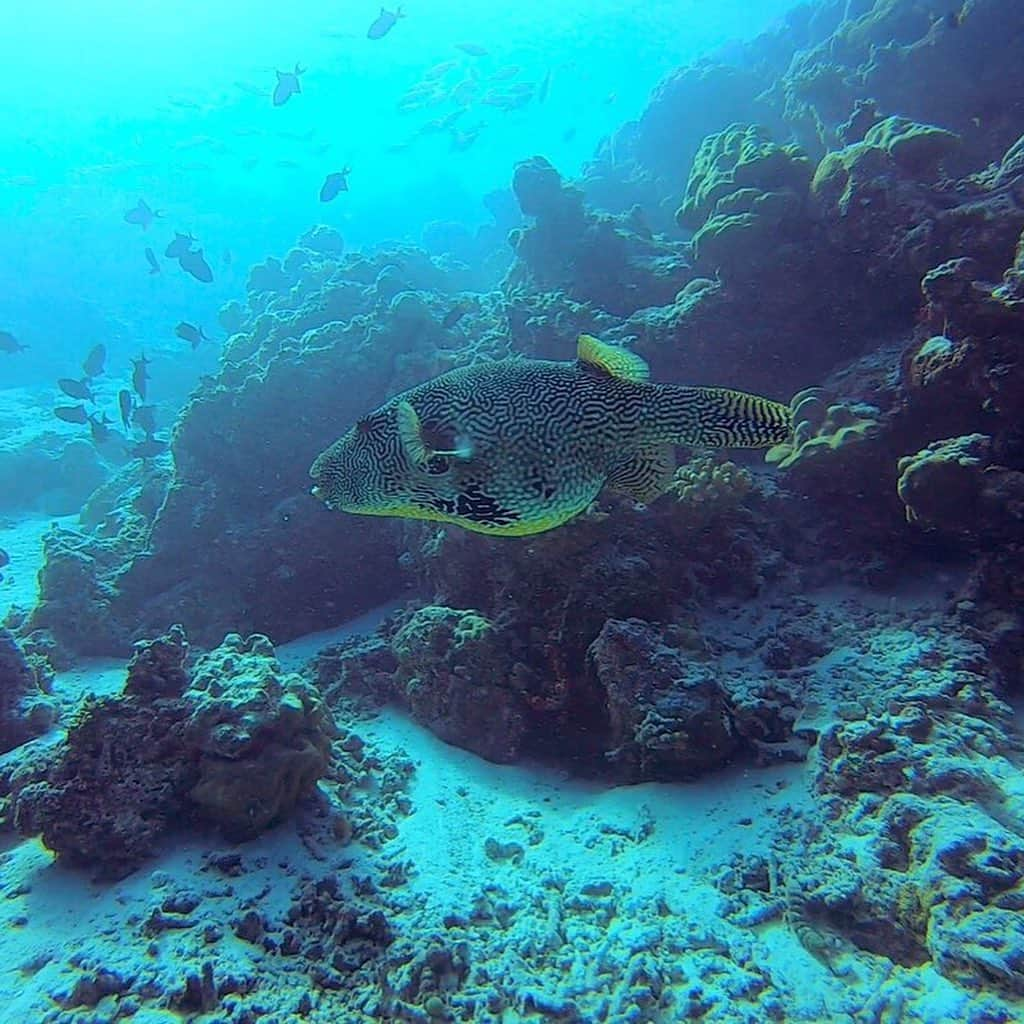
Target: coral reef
[[612, 261], [744, 191], [25, 709], [954, 485], [827, 648], [668, 715], [924, 775], [235, 743]]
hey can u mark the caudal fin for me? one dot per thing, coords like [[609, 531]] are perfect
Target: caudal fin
[[721, 418]]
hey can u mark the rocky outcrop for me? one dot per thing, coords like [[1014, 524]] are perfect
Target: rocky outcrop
[[233, 744]]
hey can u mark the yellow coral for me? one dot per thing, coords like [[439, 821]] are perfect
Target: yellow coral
[[710, 487], [821, 431]]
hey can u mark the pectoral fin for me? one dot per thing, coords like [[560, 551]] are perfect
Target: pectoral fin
[[419, 448], [645, 474], [410, 433]]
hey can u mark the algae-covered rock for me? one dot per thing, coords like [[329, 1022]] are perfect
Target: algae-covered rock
[[745, 195], [264, 735], [895, 147], [116, 787], [918, 148], [457, 680], [613, 262], [823, 432], [157, 668], [26, 711], [236, 749], [668, 715], [742, 156], [957, 485]]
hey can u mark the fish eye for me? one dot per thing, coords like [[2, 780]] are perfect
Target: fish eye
[[364, 426]]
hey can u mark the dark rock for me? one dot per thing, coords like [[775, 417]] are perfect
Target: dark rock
[[25, 709], [239, 748], [668, 715], [157, 668]]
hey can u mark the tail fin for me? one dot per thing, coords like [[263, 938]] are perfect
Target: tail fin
[[721, 418]]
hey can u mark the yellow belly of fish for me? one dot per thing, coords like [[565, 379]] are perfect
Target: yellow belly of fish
[[520, 528]]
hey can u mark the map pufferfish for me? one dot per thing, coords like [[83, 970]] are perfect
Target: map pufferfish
[[520, 446]]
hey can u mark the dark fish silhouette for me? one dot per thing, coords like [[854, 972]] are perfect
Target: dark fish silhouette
[[190, 333], [125, 407], [178, 246], [71, 414], [544, 87], [95, 361], [144, 417], [75, 388], [333, 184], [140, 376], [99, 429], [9, 343], [142, 214], [148, 449], [227, 258], [5, 559], [473, 49], [287, 85], [194, 263], [384, 23], [154, 266]]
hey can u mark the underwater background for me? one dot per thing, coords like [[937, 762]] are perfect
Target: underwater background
[[746, 751]]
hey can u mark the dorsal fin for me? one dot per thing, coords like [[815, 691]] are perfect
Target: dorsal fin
[[610, 359]]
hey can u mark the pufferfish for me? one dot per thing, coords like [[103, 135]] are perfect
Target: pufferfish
[[520, 446]]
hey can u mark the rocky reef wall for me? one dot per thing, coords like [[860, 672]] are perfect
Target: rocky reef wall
[[777, 225]]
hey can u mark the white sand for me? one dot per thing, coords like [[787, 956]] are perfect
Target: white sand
[[23, 542]]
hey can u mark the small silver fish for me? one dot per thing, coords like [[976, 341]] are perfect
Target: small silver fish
[[287, 85], [71, 414], [95, 361], [179, 245], [76, 388], [194, 263], [384, 23], [98, 429], [544, 87], [125, 406], [140, 376], [333, 184], [190, 333], [148, 449], [144, 417], [142, 214], [10, 344]]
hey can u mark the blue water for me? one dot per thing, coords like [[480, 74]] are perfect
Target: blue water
[[113, 101]]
